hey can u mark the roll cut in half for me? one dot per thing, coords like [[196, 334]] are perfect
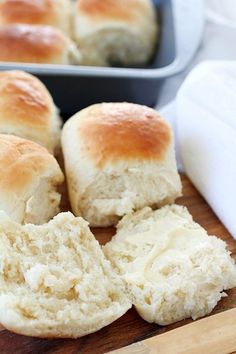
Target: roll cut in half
[[28, 181], [119, 157], [37, 12], [115, 31], [36, 44], [55, 280], [172, 268], [27, 110]]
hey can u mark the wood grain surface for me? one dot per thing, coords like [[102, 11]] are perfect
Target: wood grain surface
[[130, 328], [211, 335]]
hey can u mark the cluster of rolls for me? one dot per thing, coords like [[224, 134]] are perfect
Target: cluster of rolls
[[55, 278], [84, 32]]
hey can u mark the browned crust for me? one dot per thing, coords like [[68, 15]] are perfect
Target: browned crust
[[21, 161], [112, 132], [24, 100], [28, 43], [28, 11], [112, 9]]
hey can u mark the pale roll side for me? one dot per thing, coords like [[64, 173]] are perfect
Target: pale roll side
[[115, 31]]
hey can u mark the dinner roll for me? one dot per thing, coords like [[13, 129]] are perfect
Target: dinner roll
[[172, 268], [36, 44], [28, 181], [39, 12], [119, 157], [27, 109], [115, 31], [55, 280]]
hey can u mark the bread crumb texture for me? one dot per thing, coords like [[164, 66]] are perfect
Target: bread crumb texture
[[172, 268], [55, 280]]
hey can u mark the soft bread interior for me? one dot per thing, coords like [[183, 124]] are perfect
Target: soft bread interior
[[112, 194], [45, 195], [55, 281], [173, 269]]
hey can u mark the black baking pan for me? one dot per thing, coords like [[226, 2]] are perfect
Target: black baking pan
[[75, 87]]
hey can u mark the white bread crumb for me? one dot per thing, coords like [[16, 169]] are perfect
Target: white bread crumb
[[55, 280]]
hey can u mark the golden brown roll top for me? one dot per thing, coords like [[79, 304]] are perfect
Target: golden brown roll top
[[36, 44], [119, 157], [114, 132], [38, 12], [115, 31], [27, 109], [112, 9], [28, 181]]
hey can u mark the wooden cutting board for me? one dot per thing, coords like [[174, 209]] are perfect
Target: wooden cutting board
[[130, 328]]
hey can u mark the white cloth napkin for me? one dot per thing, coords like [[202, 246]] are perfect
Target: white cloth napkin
[[206, 105], [206, 133]]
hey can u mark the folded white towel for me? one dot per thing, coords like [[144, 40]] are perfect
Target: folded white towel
[[206, 131]]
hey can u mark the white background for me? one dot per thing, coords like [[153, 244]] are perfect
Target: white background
[[219, 42]]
